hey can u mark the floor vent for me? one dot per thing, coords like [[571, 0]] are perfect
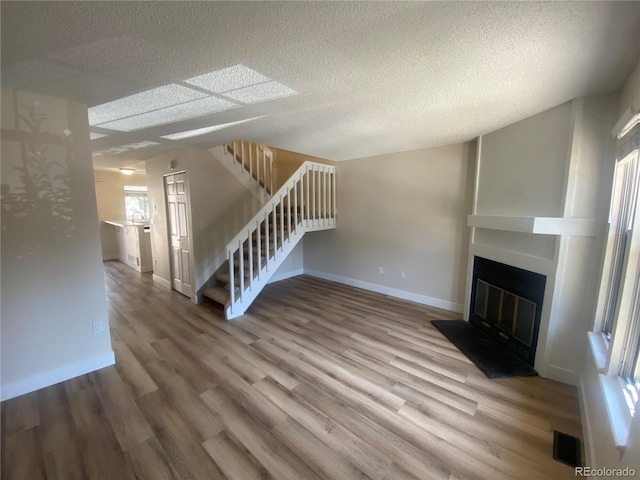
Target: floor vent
[[567, 449]]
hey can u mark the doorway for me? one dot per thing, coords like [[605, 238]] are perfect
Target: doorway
[[180, 238]]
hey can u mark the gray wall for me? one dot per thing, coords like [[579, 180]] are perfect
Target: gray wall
[[403, 212], [52, 278]]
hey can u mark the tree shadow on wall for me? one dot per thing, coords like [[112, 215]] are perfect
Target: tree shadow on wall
[[36, 207]]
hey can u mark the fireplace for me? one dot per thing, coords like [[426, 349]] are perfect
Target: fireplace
[[506, 303]]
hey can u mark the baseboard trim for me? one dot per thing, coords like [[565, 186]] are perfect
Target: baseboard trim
[[284, 276], [108, 258], [162, 282], [586, 423], [392, 292], [562, 375], [57, 375]]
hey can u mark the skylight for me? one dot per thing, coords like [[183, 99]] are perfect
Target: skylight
[[154, 99], [171, 114], [229, 88], [126, 148], [202, 131], [242, 84], [261, 92], [227, 79]]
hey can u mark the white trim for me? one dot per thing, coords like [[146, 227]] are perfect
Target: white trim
[[543, 266], [599, 350], [626, 118], [285, 275], [586, 227], [617, 410], [241, 174], [162, 282], [393, 292], [108, 258], [586, 423], [562, 375], [57, 375]]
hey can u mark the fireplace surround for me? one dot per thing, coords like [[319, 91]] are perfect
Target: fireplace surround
[[506, 303]]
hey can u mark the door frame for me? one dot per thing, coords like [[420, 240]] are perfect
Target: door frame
[[187, 187]]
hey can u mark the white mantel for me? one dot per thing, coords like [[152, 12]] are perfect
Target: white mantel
[[542, 189], [583, 227]]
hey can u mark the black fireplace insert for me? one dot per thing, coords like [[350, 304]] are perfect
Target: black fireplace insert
[[506, 303]]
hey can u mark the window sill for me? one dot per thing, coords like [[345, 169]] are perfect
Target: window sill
[[617, 410], [599, 350]]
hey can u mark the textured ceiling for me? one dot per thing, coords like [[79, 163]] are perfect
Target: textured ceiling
[[371, 77]]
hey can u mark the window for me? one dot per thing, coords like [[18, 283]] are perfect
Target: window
[[619, 309], [621, 223], [136, 202]]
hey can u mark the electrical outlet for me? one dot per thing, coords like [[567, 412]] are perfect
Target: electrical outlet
[[402, 274], [381, 270], [98, 327]]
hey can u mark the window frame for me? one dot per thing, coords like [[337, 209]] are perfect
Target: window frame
[[608, 346], [137, 191]]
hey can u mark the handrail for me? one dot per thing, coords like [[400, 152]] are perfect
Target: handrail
[[307, 200]]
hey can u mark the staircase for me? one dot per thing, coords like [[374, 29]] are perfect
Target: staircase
[[251, 164], [306, 202]]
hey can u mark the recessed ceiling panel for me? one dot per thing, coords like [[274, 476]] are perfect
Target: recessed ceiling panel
[[196, 108], [202, 131], [126, 148], [441, 72], [262, 92], [154, 99], [227, 79]]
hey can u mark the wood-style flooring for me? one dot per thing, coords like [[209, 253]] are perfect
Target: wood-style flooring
[[318, 380]]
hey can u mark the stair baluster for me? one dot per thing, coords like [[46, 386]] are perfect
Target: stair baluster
[[303, 200]]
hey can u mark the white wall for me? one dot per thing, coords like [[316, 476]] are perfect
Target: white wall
[[553, 164], [52, 278], [599, 445], [522, 173], [630, 93], [110, 200], [525, 163], [403, 212]]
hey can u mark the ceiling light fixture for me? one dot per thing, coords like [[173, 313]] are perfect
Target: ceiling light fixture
[[127, 171]]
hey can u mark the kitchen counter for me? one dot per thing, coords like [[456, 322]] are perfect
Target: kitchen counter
[[127, 223], [134, 243]]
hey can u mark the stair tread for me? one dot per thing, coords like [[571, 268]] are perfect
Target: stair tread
[[218, 294], [226, 278]]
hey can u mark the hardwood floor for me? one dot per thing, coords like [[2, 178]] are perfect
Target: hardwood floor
[[318, 380]]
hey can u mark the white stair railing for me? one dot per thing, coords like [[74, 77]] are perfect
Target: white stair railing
[[306, 202], [254, 159]]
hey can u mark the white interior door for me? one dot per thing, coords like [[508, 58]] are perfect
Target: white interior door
[[179, 233]]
